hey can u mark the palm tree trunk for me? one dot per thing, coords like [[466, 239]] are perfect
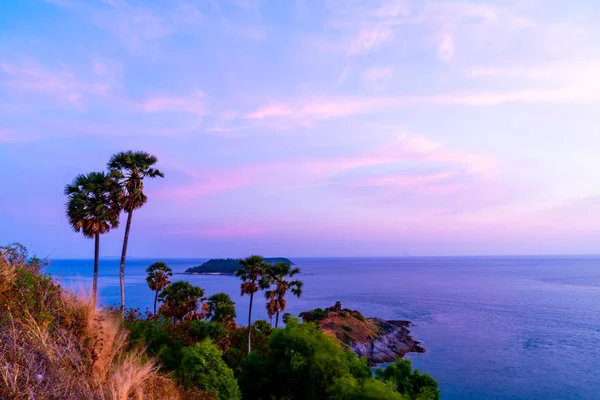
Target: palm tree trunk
[[250, 323], [96, 257], [155, 297], [276, 319], [123, 256]]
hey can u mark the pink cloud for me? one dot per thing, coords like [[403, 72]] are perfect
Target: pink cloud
[[226, 231], [194, 104], [62, 85], [302, 173]]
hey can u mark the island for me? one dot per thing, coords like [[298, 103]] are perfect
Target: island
[[228, 266], [378, 340]]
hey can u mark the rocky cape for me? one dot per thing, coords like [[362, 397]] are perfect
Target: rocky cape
[[378, 340]]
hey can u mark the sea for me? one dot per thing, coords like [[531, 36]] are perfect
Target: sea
[[495, 328]]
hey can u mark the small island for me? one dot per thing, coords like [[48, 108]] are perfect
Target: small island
[[378, 340], [228, 266]]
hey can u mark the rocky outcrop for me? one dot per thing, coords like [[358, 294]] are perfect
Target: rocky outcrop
[[376, 339], [393, 342]]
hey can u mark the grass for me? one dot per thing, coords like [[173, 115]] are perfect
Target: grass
[[53, 345]]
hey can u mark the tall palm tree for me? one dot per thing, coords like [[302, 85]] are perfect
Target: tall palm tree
[[279, 275], [252, 271], [93, 209], [158, 278], [130, 168]]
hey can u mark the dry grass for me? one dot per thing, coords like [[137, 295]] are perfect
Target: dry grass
[[346, 328], [54, 346]]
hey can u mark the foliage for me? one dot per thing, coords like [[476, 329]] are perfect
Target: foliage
[[406, 381], [221, 309], [349, 388], [202, 366], [129, 169], [181, 299], [54, 346], [92, 204], [302, 363], [279, 276], [252, 272], [158, 278]]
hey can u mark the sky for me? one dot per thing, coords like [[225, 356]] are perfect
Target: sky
[[308, 127]]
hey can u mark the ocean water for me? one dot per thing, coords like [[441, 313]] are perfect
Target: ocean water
[[494, 327]]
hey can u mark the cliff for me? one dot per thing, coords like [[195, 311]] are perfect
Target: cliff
[[228, 266], [376, 339]]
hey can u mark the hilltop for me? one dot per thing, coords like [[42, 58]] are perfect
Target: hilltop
[[228, 266], [378, 340]]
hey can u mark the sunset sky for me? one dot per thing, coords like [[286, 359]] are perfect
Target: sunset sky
[[308, 127]]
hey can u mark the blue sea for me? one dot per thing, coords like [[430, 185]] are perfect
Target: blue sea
[[494, 327]]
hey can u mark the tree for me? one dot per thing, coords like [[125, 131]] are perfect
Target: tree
[[221, 309], [404, 380], [130, 169], [203, 367], [253, 269], [180, 299], [158, 278], [93, 209], [277, 275]]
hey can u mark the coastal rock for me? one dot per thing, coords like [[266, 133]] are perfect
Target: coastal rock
[[393, 342], [378, 340]]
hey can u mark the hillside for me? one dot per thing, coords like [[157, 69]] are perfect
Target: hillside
[[378, 340], [228, 266]]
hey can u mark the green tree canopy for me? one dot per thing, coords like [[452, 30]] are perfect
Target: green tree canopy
[[221, 308], [203, 367], [180, 299]]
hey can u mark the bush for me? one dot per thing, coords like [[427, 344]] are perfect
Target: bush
[[203, 367], [302, 363], [406, 381]]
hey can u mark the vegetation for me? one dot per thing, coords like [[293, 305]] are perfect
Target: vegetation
[[253, 271], [129, 169], [93, 209], [181, 300], [158, 278], [221, 309], [278, 275], [229, 266], [54, 346]]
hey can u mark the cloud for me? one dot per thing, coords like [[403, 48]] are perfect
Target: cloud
[[62, 84], [375, 78], [194, 104], [305, 110], [371, 38], [414, 161], [222, 231], [446, 47]]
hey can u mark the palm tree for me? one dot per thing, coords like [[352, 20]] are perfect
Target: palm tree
[[93, 209], [129, 169], [158, 278], [180, 299], [277, 274], [252, 271]]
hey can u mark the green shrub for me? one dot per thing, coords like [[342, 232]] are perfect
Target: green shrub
[[203, 367], [406, 381]]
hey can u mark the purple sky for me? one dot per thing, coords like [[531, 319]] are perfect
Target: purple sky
[[306, 128]]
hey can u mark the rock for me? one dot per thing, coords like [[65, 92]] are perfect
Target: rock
[[393, 342]]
